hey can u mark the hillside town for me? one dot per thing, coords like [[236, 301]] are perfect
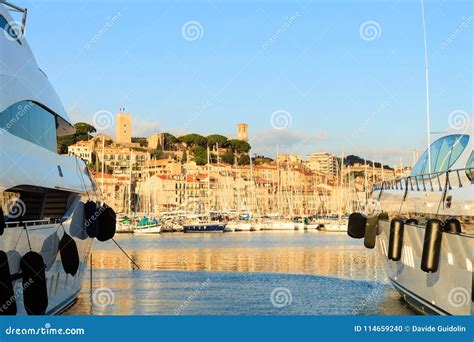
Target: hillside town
[[154, 175]]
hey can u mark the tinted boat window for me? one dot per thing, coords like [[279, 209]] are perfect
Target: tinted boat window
[[470, 166], [31, 122], [444, 153]]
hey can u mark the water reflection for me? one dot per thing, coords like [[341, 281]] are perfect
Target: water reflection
[[316, 254], [240, 271]]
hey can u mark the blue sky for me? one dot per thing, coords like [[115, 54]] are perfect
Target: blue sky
[[341, 87]]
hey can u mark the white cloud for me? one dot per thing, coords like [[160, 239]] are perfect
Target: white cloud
[[288, 141], [144, 128]]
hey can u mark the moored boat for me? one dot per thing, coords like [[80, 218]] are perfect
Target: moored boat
[[204, 227], [422, 227], [147, 226], [239, 226], [49, 203]]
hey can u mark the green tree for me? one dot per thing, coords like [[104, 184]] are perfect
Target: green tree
[[228, 157], [169, 141], [214, 139], [142, 141], [259, 160], [194, 140], [239, 146], [157, 153], [83, 132], [244, 159], [200, 155], [83, 128]]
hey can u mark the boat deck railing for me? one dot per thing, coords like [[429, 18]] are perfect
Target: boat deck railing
[[435, 181], [32, 223]]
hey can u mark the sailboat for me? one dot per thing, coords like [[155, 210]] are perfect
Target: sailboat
[[147, 225], [239, 222], [207, 222], [337, 223]]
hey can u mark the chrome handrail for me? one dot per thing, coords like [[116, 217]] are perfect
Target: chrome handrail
[[420, 182], [31, 223], [15, 8]]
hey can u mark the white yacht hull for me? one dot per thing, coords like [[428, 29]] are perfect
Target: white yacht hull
[[299, 226], [279, 225], [62, 288], [334, 227], [311, 226], [238, 226], [449, 289]]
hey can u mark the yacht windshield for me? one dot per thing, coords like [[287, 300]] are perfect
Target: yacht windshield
[[444, 153]]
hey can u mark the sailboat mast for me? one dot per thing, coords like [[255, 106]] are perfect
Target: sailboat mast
[[427, 88]]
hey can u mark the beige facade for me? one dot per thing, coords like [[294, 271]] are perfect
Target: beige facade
[[83, 150], [155, 140], [323, 162], [115, 190], [243, 131], [120, 158], [263, 189], [374, 174], [123, 128]]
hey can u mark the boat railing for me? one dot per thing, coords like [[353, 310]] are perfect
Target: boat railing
[[13, 8], [435, 181], [31, 223]]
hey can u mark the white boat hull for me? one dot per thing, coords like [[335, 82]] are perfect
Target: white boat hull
[[279, 225], [311, 226], [62, 288], [147, 230], [299, 226], [334, 227], [239, 226], [449, 289]]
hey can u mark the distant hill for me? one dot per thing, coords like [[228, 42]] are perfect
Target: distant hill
[[352, 159]]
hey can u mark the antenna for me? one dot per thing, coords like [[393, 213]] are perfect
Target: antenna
[[427, 86]]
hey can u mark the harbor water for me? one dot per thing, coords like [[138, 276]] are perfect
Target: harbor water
[[243, 273]]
